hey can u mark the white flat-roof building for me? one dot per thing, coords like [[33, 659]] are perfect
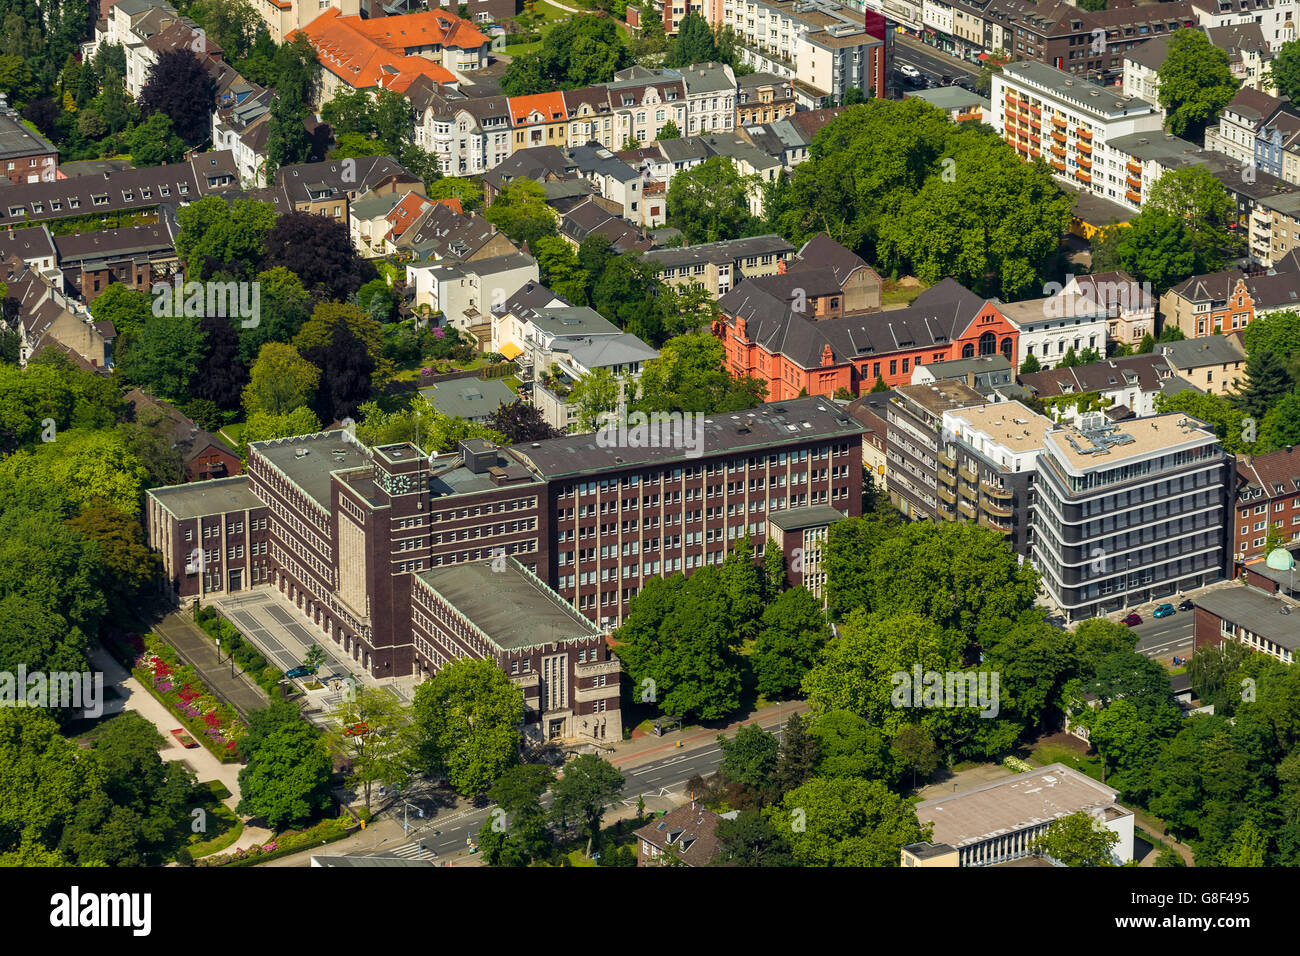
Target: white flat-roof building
[[996, 822]]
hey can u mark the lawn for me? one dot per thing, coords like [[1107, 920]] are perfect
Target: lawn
[[552, 16], [901, 292], [231, 433], [1050, 753]]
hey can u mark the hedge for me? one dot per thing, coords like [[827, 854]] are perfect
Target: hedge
[[290, 841], [249, 659]]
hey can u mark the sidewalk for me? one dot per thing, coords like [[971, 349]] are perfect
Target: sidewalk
[[200, 652], [134, 697], [639, 750]]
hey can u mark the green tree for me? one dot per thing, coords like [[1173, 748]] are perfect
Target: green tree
[[845, 822], [518, 794], [220, 236], [1029, 365], [153, 143], [848, 746], [588, 785], [286, 780], [468, 191], [668, 131], [520, 211], [581, 51], [1265, 382], [263, 426], [163, 358], [694, 43], [710, 202], [595, 396], [280, 381], [1277, 332], [750, 758], [916, 747], [560, 270], [1077, 840], [86, 466], [1281, 427], [791, 635], [1284, 71], [796, 761], [1224, 417], [468, 717], [750, 840], [1196, 82], [1199, 200], [690, 375], [384, 752]]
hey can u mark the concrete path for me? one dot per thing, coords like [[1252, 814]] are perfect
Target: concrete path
[[133, 696]]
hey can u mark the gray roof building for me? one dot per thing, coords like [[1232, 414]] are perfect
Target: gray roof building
[[471, 399]]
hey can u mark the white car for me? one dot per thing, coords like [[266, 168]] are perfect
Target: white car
[[909, 71]]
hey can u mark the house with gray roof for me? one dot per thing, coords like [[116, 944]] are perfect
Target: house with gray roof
[[472, 399], [1214, 364]]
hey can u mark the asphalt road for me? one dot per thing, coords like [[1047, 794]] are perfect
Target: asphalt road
[[1166, 636], [445, 834], [929, 60]]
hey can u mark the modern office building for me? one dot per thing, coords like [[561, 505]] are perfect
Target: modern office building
[[915, 418], [1122, 517], [987, 467]]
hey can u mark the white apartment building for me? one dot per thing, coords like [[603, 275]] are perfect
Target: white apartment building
[[822, 44], [468, 135], [1070, 122], [1051, 326], [710, 97], [1276, 18]]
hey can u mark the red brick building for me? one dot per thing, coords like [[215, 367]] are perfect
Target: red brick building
[[810, 330], [1268, 493]]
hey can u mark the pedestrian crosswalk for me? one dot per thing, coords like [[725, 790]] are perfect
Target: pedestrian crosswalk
[[410, 851]]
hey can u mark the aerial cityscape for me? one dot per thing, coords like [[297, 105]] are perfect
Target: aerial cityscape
[[685, 433]]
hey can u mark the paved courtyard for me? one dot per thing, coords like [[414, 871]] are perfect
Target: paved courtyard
[[278, 629]]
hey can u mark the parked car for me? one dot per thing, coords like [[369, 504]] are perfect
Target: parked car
[[300, 672], [1132, 620], [1163, 610], [964, 83], [1186, 605], [184, 739]]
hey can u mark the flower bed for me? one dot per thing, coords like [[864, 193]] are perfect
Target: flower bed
[[179, 689], [290, 841]]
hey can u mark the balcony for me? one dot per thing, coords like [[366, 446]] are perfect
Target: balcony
[[987, 522], [968, 473], [1084, 147], [1085, 134], [1059, 122], [946, 494], [969, 493], [1058, 151], [1133, 197], [1058, 166], [947, 460], [993, 491], [1058, 136], [966, 509], [1083, 176], [1085, 162], [1001, 511], [1134, 168]]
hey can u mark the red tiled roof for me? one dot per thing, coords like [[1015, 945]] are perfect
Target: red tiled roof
[[405, 213], [550, 105], [345, 47], [454, 204]]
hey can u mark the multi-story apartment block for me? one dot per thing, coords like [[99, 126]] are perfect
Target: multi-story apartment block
[[717, 267], [644, 101], [591, 117], [285, 17], [342, 532], [1124, 517], [916, 442], [1253, 128], [672, 11], [539, 120], [1070, 123], [134, 256], [1219, 302], [986, 468], [389, 53], [1267, 496], [1276, 19], [763, 98], [329, 188], [468, 135], [801, 534], [826, 48], [710, 97]]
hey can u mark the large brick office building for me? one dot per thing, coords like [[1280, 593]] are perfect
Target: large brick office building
[[344, 532]]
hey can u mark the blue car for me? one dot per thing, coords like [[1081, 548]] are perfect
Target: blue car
[[1163, 610], [301, 672]]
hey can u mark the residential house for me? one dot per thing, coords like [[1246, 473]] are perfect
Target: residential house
[[716, 267], [133, 256], [25, 156], [468, 135], [960, 105], [1131, 382], [1267, 495], [643, 101], [685, 836], [591, 117], [539, 120], [1055, 325], [710, 97], [329, 188], [470, 399], [1214, 364], [763, 98], [204, 456], [1130, 305], [46, 318], [465, 291]]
